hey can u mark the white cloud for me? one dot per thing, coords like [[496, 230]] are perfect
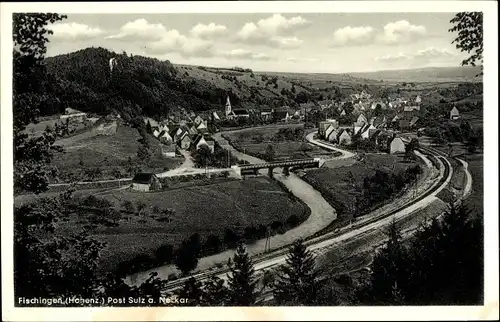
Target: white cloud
[[174, 41], [399, 32], [352, 36], [244, 54], [140, 30], [275, 31], [74, 31], [208, 31], [428, 56]]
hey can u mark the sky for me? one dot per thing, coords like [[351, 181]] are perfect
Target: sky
[[301, 42]]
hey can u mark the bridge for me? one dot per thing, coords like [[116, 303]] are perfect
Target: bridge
[[286, 165]]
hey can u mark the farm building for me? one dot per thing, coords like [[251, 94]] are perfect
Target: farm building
[[70, 113], [146, 182], [454, 114], [397, 146], [168, 150], [344, 138]]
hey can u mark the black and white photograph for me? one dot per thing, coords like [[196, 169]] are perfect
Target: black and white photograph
[[295, 155]]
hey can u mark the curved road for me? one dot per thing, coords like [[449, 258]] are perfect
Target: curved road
[[322, 214]]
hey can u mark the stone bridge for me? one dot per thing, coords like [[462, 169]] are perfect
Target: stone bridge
[[286, 165]]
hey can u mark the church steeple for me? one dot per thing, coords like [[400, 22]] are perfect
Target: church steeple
[[228, 106]]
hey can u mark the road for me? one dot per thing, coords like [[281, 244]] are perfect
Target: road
[[335, 238], [345, 154]]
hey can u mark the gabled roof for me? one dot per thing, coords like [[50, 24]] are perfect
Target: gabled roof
[[143, 177]]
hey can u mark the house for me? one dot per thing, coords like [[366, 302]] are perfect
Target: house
[[71, 113], [281, 116], [344, 138], [168, 150], [357, 126], [332, 136], [198, 119], [395, 119], [365, 131], [454, 114], [322, 126], [184, 141], [331, 133], [375, 104], [266, 114], [342, 113], [146, 182], [202, 127], [198, 141], [156, 133], [397, 145], [418, 100], [193, 130], [241, 113], [165, 137], [373, 134], [362, 119]]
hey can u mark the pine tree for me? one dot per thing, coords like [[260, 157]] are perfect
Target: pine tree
[[242, 282], [389, 272], [296, 281]]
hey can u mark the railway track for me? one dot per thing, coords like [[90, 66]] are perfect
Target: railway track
[[328, 240]]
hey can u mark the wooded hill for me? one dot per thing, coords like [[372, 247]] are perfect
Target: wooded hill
[[146, 86]]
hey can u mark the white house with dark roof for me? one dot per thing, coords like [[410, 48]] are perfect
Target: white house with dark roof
[[145, 182], [397, 145], [454, 113]]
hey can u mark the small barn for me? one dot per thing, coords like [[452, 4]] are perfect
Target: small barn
[[454, 114], [397, 146], [146, 182]]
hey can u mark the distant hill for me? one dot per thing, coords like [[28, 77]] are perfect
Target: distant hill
[[428, 74], [143, 86]]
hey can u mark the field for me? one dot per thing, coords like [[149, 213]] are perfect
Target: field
[[206, 210], [255, 142], [338, 185], [110, 154]]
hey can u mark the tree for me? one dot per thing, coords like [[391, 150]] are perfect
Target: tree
[[296, 281], [215, 293], [47, 263], [203, 156], [30, 87], [469, 26], [389, 271], [187, 255], [193, 291], [164, 254], [242, 281], [270, 153]]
